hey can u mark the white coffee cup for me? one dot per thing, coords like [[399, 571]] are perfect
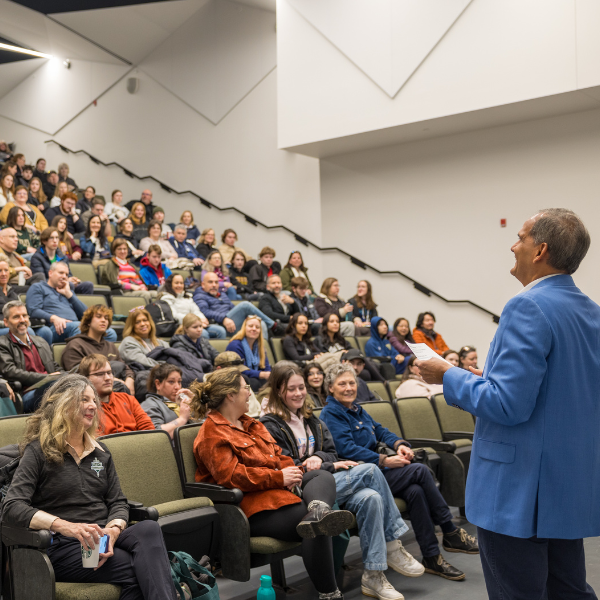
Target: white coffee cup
[[90, 558]]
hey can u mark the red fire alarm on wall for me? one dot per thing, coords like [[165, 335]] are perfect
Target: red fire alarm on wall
[[502, 222]]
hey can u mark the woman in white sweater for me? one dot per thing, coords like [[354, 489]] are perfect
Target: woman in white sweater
[[414, 386]]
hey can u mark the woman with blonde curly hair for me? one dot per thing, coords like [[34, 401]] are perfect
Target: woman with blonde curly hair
[[249, 343], [66, 482]]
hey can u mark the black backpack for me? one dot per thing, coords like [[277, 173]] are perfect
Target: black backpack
[[162, 315]]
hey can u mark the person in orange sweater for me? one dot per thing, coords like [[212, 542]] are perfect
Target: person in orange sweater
[[121, 412], [423, 333], [237, 451]]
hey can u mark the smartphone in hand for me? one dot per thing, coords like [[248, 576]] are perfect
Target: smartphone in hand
[[103, 544]]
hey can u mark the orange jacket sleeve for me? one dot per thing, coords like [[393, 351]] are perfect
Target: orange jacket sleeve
[[142, 420]]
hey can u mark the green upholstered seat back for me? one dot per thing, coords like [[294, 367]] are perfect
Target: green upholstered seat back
[[146, 466], [123, 304], [383, 412], [362, 342], [57, 350], [352, 341], [85, 271], [12, 429], [219, 345], [277, 344], [379, 389], [393, 386], [185, 441], [418, 419], [451, 418], [90, 301]]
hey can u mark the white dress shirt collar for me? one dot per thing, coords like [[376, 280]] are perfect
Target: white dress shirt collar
[[536, 281]]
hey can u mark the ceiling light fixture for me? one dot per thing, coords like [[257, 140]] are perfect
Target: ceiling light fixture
[[24, 51]]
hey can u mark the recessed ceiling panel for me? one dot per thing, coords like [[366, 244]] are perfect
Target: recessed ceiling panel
[[12, 74]]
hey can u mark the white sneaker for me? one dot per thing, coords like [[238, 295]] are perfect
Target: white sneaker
[[403, 562], [376, 585]]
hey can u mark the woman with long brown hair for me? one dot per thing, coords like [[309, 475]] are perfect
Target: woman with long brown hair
[[66, 242], [363, 305], [28, 241], [7, 188], [234, 450], [36, 194], [139, 338]]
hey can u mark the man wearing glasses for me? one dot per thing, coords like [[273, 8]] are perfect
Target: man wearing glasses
[[122, 412]]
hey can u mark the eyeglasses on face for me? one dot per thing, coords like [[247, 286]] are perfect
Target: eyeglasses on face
[[101, 374]]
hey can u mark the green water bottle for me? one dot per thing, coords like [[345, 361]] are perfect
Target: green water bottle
[[265, 591]]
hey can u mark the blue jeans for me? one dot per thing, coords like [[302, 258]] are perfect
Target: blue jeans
[[43, 332], [239, 313], [232, 293], [215, 331], [364, 491], [72, 328]]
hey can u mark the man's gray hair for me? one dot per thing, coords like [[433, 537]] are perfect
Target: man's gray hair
[[12, 304], [272, 276], [567, 238], [58, 263], [337, 370], [180, 226]]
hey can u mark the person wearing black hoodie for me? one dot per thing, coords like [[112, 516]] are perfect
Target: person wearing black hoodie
[[238, 275]]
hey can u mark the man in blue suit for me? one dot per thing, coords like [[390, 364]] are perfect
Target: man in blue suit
[[533, 488]]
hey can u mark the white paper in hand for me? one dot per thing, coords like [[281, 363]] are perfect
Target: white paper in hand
[[424, 352]]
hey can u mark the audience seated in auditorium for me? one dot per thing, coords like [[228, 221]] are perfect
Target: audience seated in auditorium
[[190, 336], [294, 268], [423, 333], [29, 241], [467, 357], [452, 357], [167, 403], [379, 347], [59, 191], [94, 242], [229, 239], [113, 209], [158, 214], [120, 411], [352, 429], [19, 161], [363, 306], [33, 217], [182, 304], [183, 247], [49, 254], [24, 357], [96, 208], [9, 242], [238, 275], [328, 300], [279, 307], [120, 274], [355, 358], [5, 152], [63, 175], [49, 184], [155, 239], [219, 309], [67, 424], [206, 242], [146, 201], [413, 385], [125, 232], [85, 203], [27, 175], [315, 378], [249, 343], [153, 272], [272, 510], [307, 440], [140, 223], [187, 219], [305, 304], [214, 264], [94, 325], [297, 345], [7, 188], [36, 195], [66, 241], [40, 170], [139, 338], [261, 271], [67, 209], [400, 335], [57, 303]]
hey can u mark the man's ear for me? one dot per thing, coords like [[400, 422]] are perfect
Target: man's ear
[[542, 253]]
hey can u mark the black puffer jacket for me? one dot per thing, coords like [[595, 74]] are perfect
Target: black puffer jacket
[[284, 436], [192, 368], [182, 342]]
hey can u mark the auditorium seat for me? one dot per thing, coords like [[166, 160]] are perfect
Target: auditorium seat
[[379, 389], [90, 301], [87, 272], [239, 552], [149, 474], [392, 387], [362, 342], [352, 341], [57, 350], [12, 429], [123, 304], [277, 344], [454, 423]]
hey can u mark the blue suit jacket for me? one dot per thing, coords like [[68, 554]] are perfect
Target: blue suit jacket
[[535, 465]]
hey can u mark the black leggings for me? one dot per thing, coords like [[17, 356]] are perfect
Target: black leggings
[[281, 524]]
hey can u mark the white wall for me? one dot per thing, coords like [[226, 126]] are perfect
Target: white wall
[[347, 67], [432, 209]]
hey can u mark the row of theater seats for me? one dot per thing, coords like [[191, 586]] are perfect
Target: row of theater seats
[[158, 481]]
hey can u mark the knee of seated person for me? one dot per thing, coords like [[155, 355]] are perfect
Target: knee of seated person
[[421, 471], [148, 529]]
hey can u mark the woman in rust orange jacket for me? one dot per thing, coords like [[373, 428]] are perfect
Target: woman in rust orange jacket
[[280, 500], [423, 333]]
